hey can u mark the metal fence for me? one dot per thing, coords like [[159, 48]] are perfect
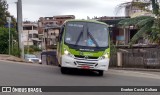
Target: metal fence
[[49, 58], [148, 59]]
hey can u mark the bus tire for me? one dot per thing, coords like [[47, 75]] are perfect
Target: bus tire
[[59, 65], [100, 73], [63, 70]]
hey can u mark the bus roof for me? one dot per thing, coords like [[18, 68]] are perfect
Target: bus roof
[[94, 21]]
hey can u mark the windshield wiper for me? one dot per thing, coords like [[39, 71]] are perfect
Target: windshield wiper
[[79, 36], [92, 38]]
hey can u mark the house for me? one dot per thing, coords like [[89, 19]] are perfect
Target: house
[[48, 28], [121, 36], [118, 35], [56, 20], [50, 35], [133, 11], [30, 34], [62, 18]]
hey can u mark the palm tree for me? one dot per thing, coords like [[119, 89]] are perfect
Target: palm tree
[[148, 27]]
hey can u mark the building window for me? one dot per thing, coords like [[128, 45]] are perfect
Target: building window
[[35, 28], [27, 28], [35, 35], [30, 36], [61, 22], [53, 33]]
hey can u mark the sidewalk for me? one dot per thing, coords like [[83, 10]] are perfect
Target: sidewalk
[[10, 58], [136, 69]]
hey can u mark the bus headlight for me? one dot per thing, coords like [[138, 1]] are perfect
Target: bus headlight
[[66, 52], [104, 56]]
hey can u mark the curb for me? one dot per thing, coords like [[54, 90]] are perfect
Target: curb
[[137, 69], [11, 60], [14, 60]]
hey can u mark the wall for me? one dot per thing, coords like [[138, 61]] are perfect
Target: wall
[[138, 58]]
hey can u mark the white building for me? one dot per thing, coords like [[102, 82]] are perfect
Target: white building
[[30, 34], [133, 11]]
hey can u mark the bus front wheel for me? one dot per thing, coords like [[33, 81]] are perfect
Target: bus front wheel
[[63, 70], [100, 73]]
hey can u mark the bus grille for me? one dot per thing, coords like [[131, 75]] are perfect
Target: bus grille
[[88, 59], [90, 64]]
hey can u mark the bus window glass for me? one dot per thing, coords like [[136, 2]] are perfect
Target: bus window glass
[[96, 34], [99, 33], [74, 32]]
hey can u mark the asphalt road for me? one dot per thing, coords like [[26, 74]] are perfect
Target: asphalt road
[[27, 74]]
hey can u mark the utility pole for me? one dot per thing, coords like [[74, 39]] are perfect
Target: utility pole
[[20, 27], [9, 26], [28, 43], [12, 42], [44, 37]]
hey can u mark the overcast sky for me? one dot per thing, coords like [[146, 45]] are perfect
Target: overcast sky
[[33, 9]]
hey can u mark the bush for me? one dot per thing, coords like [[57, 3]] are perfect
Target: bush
[[4, 42], [15, 51], [113, 48], [35, 48], [32, 49]]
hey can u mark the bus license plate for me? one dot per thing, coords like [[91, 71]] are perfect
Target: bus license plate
[[85, 67]]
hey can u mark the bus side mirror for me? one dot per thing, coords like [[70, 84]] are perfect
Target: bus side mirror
[[58, 37]]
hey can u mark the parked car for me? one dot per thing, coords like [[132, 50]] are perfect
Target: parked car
[[32, 58]]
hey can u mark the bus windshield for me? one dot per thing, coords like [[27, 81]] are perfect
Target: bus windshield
[[86, 34]]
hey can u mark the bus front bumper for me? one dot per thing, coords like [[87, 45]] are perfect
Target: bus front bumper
[[71, 62]]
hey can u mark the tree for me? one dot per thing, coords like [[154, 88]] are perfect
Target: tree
[[4, 13], [3, 10], [4, 39], [144, 25], [4, 34], [149, 27]]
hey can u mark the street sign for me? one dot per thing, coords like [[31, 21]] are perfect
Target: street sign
[[9, 19], [7, 25]]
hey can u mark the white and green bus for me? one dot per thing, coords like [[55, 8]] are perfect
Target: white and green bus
[[84, 44]]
